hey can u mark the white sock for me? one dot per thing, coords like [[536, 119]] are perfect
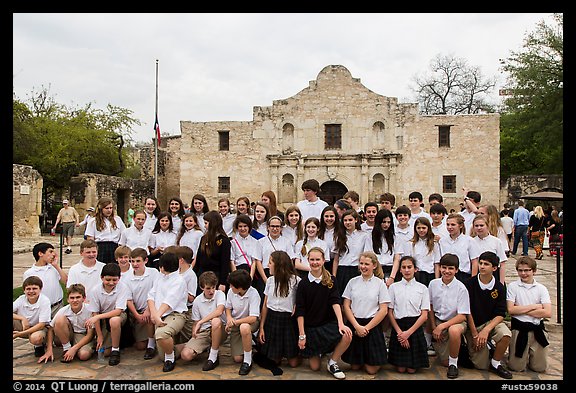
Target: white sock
[[66, 346], [495, 363], [453, 361], [428, 337], [248, 357], [331, 362], [214, 354], [151, 342], [115, 349], [169, 356]]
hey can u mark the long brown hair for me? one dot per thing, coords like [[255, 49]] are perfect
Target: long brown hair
[[284, 272], [429, 235], [208, 240], [100, 220], [273, 207]]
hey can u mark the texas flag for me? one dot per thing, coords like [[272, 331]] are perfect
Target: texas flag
[[157, 128]]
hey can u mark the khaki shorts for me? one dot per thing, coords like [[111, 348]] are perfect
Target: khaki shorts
[[535, 356], [441, 347], [17, 325], [481, 358], [236, 339], [174, 324], [203, 340], [105, 326], [139, 330]]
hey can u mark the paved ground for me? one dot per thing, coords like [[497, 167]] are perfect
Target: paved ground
[[133, 368]]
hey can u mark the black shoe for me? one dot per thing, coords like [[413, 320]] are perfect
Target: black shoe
[[210, 365], [501, 371], [245, 368], [168, 366], [335, 371], [114, 358], [68, 251], [39, 351], [150, 353], [452, 372]]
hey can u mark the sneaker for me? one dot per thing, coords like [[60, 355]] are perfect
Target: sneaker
[[245, 368], [501, 372], [68, 251], [168, 366], [39, 351], [210, 365], [452, 372], [431, 350], [150, 353], [335, 371], [114, 358]]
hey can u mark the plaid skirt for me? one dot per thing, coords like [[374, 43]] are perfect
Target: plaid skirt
[[106, 251], [370, 350], [345, 274], [414, 357], [321, 340], [281, 335]]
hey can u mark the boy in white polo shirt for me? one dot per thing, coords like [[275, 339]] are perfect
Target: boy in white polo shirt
[[108, 305], [139, 282], [87, 270], [242, 317], [49, 271], [210, 321], [69, 326], [311, 205], [167, 304], [31, 317]]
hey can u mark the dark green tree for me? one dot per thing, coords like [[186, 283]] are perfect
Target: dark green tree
[[531, 123], [61, 142]]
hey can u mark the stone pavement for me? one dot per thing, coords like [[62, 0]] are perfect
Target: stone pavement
[[133, 368]]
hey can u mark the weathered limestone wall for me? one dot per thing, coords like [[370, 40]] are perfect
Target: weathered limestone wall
[[27, 186]]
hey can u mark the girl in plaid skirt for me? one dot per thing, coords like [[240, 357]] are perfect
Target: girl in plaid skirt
[[321, 327], [278, 331], [366, 301], [408, 312]]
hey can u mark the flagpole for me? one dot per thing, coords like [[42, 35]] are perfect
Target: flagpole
[[156, 139]]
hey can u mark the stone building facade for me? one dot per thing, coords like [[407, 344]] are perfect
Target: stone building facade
[[347, 137], [27, 186]]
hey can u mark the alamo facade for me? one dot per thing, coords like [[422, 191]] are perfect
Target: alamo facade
[[342, 134]]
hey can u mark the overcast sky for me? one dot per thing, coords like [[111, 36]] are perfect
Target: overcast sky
[[217, 67]]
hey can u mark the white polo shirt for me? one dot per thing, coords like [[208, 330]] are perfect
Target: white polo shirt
[[448, 300], [139, 286], [464, 247], [309, 245], [102, 302], [311, 209], [356, 242], [244, 306], [89, 276], [50, 281], [267, 245], [170, 289], [203, 306], [281, 304], [38, 312], [366, 295], [408, 298], [134, 238], [77, 320]]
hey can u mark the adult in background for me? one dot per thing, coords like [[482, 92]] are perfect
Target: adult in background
[[521, 220], [69, 218]]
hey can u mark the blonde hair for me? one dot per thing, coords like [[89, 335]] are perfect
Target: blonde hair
[[378, 272], [326, 276]]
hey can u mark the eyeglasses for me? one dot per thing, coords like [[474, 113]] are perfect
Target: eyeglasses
[[275, 226], [524, 270]]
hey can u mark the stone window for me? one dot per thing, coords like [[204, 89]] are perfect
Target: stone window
[[224, 140], [224, 185], [443, 136], [449, 184], [332, 136]]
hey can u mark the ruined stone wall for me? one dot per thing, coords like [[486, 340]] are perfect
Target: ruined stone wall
[[27, 186]]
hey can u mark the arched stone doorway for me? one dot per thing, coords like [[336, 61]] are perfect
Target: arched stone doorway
[[331, 191]]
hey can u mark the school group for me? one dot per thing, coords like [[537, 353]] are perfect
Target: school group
[[364, 285]]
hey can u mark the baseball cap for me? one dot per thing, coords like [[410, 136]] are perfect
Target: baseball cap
[[90, 209], [65, 201]]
